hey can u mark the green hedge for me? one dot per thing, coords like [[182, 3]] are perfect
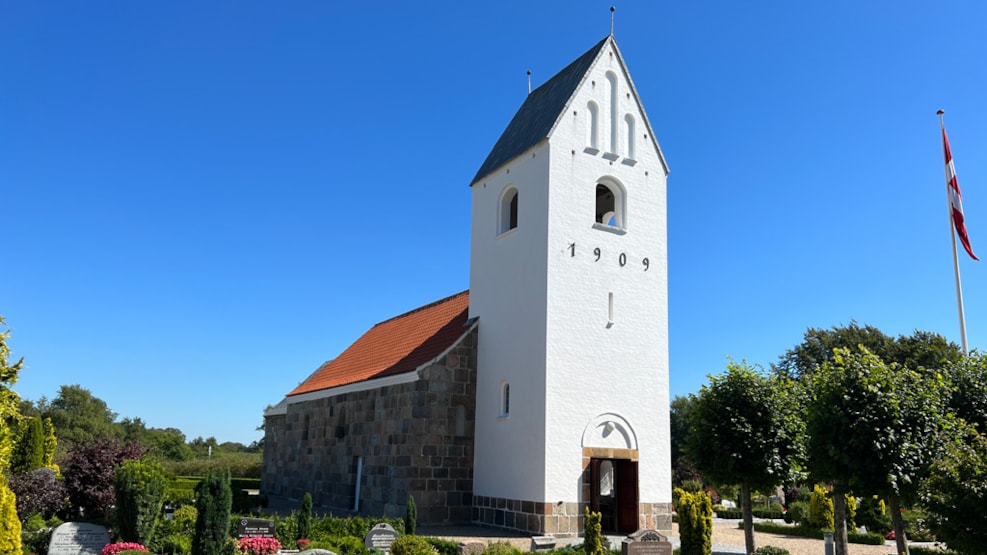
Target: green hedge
[[759, 513], [870, 538]]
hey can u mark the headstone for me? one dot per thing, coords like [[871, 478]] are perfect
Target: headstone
[[472, 547], [380, 537], [255, 528], [542, 543], [646, 542], [78, 538]]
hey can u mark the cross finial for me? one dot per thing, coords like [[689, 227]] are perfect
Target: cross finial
[[612, 9]]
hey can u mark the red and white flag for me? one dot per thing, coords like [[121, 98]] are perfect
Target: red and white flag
[[955, 197]]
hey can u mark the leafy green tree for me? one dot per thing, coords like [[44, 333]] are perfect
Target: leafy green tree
[[140, 491], [213, 503], [968, 398], [921, 349], [80, 417], [680, 425], [165, 444], [745, 429], [873, 427], [10, 525], [955, 493]]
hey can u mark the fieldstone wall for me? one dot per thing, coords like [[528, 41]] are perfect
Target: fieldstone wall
[[413, 439]]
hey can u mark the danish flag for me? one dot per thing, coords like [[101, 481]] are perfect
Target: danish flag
[[955, 197]]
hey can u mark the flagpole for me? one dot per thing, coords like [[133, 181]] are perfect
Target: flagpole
[[952, 239]]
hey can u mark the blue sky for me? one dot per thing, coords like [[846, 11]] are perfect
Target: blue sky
[[202, 202]]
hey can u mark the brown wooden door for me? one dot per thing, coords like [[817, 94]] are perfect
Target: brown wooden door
[[627, 496]]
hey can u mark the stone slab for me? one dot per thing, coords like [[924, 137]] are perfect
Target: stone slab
[[78, 538]]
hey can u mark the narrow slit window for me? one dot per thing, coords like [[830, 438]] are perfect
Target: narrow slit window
[[505, 400], [610, 308], [612, 78]]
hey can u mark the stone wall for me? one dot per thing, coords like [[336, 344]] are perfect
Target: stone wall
[[414, 438]]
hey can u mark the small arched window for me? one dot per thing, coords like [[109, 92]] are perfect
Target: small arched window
[[594, 124], [629, 121], [507, 217], [610, 208], [505, 400]]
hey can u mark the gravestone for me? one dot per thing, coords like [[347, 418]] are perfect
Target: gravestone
[[542, 543], [78, 538], [255, 528], [646, 542], [380, 537]]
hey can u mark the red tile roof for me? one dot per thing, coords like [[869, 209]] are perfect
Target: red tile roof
[[395, 346]]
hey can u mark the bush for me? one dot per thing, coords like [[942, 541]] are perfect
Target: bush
[[820, 509], [798, 513], [38, 492], [260, 546], [869, 538], [695, 523], [123, 547], [304, 518], [36, 533], [592, 544], [770, 550], [412, 545], [212, 525], [444, 547], [501, 548], [872, 513], [10, 525], [140, 488], [174, 544], [90, 472], [410, 516]]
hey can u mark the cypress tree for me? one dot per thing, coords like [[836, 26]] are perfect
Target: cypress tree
[[304, 517], [29, 449], [410, 516], [140, 491], [593, 534], [214, 500]]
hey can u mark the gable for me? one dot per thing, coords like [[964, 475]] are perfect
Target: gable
[[541, 111], [396, 346]]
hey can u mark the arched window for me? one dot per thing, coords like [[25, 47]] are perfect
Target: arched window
[[629, 120], [610, 205], [505, 400], [594, 124], [507, 217], [612, 79]]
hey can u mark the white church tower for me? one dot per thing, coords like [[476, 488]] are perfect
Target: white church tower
[[568, 279]]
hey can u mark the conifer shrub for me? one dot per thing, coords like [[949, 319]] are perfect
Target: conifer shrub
[[695, 512], [212, 524], [410, 517], [592, 532], [140, 489], [820, 509], [10, 525], [304, 518], [29, 450]]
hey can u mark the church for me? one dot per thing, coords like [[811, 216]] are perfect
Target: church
[[543, 388]]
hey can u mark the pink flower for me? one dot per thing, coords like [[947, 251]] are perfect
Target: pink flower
[[260, 546], [114, 548]]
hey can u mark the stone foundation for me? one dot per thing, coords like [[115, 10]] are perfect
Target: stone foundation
[[562, 520]]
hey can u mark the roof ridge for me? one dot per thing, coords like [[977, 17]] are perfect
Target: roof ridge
[[423, 307]]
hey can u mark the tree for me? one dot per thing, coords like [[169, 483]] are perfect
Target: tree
[[968, 398], [166, 444], [79, 417], [91, 470], [745, 429], [679, 424], [873, 427], [213, 503], [695, 512], [140, 492], [29, 451], [10, 526], [955, 493], [921, 349]]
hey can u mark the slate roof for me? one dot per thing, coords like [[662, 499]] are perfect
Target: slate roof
[[396, 346], [537, 116]]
